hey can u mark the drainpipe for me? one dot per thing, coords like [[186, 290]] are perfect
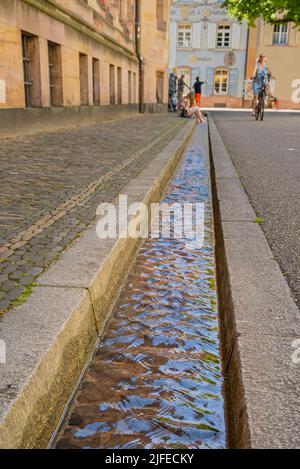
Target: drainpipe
[[139, 56]]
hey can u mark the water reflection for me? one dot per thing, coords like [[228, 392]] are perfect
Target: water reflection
[[155, 380]]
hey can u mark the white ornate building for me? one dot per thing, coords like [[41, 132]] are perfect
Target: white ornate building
[[206, 42]]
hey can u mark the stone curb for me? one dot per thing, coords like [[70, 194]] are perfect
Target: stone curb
[[259, 319], [50, 337]]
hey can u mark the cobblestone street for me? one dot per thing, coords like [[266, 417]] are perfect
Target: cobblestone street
[[52, 182]]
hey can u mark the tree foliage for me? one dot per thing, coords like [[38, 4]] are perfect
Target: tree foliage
[[272, 11]]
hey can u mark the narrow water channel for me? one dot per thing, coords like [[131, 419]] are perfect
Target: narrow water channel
[[155, 380]]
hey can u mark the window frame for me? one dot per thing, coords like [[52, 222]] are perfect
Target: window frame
[[96, 81], [26, 74], [223, 33], [55, 77], [112, 85], [180, 29], [84, 79], [221, 80], [134, 85], [160, 82], [51, 81], [161, 23], [129, 87], [280, 34], [119, 86]]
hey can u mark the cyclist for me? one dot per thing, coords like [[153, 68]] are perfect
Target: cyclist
[[260, 75]]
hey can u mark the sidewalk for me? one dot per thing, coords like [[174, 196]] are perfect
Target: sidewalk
[[52, 184], [269, 167]]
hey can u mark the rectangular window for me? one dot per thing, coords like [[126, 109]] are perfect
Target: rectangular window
[[224, 35], [31, 70], [129, 87], [119, 85], [96, 82], [26, 62], [55, 74], [121, 10], [184, 36], [161, 23], [112, 85], [134, 88], [84, 82], [160, 87], [280, 34]]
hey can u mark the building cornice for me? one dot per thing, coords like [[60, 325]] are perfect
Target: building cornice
[[59, 13]]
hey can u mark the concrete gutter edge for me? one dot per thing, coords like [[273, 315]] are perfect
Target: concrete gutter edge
[[259, 320], [50, 338]]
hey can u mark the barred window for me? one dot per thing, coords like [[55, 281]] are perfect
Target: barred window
[[55, 74], [31, 70]]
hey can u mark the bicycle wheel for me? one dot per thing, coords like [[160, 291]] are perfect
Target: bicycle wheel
[[257, 110], [262, 107]]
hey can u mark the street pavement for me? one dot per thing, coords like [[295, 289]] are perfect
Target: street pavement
[[267, 158], [52, 183]]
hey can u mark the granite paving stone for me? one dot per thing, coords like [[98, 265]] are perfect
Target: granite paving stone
[[52, 184]]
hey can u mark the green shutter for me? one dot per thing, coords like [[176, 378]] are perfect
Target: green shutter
[[233, 81]]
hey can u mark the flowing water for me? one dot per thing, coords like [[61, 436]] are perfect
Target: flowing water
[[155, 380]]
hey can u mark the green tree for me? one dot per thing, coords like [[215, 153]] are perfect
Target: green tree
[[272, 11]]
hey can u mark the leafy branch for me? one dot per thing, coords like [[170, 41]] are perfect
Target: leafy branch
[[272, 11]]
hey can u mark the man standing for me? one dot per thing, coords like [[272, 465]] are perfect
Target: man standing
[[181, 86], [198, 90], [172, 91]]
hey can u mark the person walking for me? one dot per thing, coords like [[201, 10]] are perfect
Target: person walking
[[181, 86], [198, 90]]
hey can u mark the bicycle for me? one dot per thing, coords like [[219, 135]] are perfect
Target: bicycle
[[261, 100], [260, 106]]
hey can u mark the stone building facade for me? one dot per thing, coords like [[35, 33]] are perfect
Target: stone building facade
[[78, 59], [281, 45], [206, 42]]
